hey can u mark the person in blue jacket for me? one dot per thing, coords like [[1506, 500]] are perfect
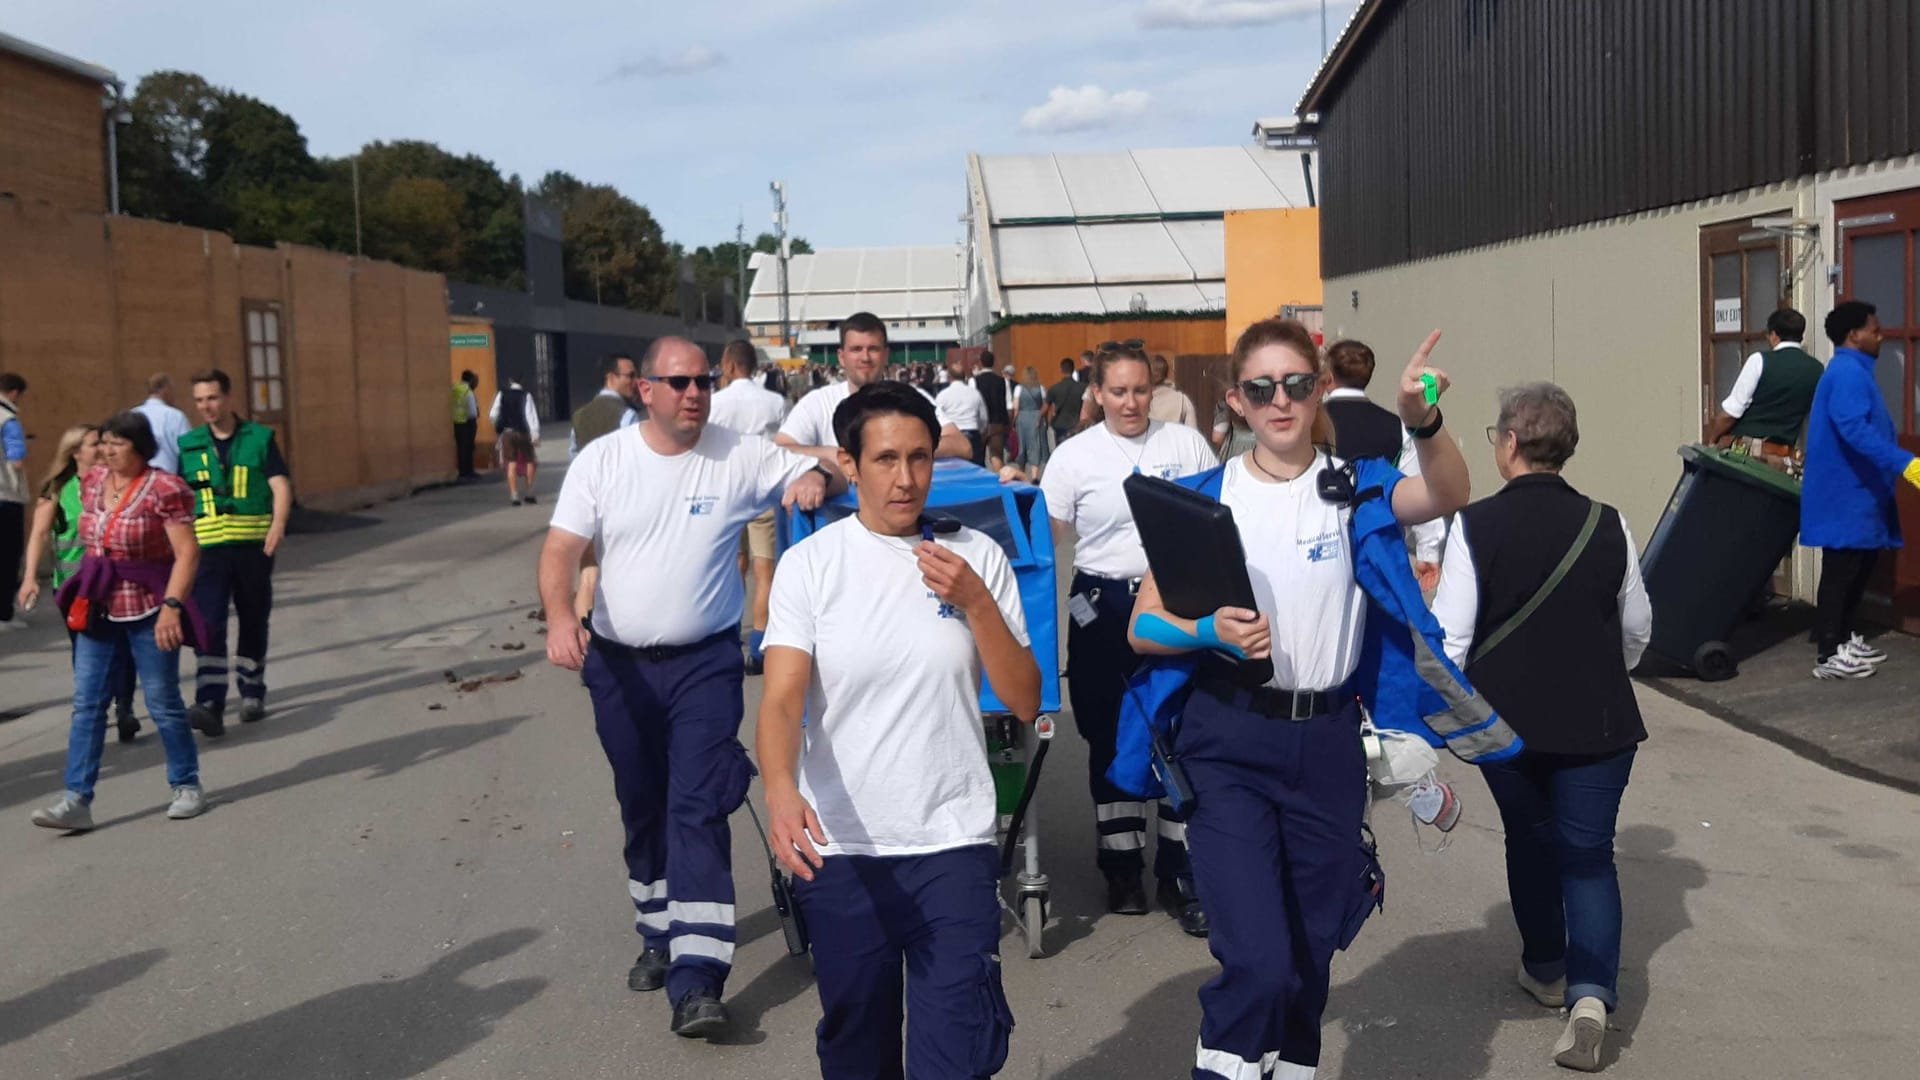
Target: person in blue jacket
[[1277, 774], [1854, 465]]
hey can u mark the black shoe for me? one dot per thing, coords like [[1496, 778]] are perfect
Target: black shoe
[[649, 971], [700, 1015], [206, 720], [1176, 897], [1126, 895], [126, 722], [531, 499], [252, 710]]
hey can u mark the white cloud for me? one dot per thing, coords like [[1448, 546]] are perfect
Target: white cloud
[[1200, 14], [1067, 109], [688, 61]]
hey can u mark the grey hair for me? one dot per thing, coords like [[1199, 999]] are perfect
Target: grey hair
[[1544, 423]]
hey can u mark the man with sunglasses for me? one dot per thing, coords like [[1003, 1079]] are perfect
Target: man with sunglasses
[[1362, 428], [863, 359], [663, 504]]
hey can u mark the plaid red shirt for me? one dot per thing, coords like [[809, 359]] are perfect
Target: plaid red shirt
[[139, 531]]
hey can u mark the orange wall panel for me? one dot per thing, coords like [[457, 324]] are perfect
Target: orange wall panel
[[429, 393], [325, 450], [52, 136], [56, 321], [1044, 345], [1273, 259], [380, 348]]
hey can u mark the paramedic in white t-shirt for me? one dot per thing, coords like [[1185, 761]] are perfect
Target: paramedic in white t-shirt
[[863, 359], [882, 806], [663, 504], [962, 404], [742, 405], [1278, 773], [1082, 486]]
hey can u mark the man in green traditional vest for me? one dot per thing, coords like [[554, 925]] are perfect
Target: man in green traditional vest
[[1767, 408], [614, 407], [242, 497]]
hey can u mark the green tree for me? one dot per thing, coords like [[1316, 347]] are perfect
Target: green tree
[[612, 248], [259, 173], [163, 150]]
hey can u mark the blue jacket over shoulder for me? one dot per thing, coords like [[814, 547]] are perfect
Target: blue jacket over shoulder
[[1853, 461], [1404, 678]]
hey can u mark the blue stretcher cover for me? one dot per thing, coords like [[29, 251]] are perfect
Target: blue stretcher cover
[[1015, 515]]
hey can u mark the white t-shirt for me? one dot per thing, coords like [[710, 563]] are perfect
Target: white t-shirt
[[1082, 486], [748, 408], [667, 529], [962, 402], [811, 421], [895, 759], [1300, 557]]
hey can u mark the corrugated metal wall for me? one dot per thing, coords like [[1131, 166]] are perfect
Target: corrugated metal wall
[[1464, 122]]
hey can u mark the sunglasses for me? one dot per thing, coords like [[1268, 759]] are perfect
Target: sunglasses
[[1299, 386], [681, 382]]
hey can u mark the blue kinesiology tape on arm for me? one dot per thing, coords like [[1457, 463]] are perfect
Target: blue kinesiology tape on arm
[[1153, 628]]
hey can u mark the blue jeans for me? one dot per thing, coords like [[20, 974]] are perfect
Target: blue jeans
[[159, 675], [1559, 814]]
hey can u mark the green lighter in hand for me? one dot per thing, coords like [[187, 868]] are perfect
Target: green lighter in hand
[[1433, 388]]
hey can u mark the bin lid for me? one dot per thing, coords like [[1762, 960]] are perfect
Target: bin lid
[[1743, 468]]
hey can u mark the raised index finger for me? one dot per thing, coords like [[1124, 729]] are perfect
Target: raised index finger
[[1425, 350]]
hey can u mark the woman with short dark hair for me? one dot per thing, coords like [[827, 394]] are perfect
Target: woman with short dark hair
[[1541, 598], [133, 587], [882, 805]]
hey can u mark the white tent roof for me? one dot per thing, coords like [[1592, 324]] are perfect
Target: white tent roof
[[827, 286], [1104, 232]]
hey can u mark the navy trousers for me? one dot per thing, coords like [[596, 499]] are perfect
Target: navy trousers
[[922, 927], [669, 728], [1099, 660], [1275, 838], [240, 575]]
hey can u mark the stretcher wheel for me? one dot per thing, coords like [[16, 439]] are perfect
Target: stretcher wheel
[[1713, 662], [1033, 919]]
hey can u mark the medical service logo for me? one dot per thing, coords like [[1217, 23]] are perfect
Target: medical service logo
[[1322, 548], [1166, 472], [944, 609], [702, 505]]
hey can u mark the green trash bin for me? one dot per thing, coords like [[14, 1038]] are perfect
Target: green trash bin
[[1731, 521]]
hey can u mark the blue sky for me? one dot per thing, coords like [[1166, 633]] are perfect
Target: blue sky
[[867, 108]]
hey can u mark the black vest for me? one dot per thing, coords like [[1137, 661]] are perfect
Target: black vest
[[513, 411], [1778, 413], [992, 390], [1364, 429], [1560, 680]]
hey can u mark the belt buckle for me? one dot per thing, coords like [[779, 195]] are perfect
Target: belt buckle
[[1301, 707], [1133, 586]]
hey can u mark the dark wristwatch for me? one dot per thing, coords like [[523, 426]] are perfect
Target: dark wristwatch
[[1429, 430], [174, 604]]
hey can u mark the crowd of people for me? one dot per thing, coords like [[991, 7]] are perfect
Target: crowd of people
[[874, 635], [156, 529]]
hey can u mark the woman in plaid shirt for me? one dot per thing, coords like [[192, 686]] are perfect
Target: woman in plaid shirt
[[137, 527]]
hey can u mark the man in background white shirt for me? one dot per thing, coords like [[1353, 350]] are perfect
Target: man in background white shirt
[[963, 404], [808, 429], [168, 423], [742, 405]]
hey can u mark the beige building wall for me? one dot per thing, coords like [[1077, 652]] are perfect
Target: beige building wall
[[1612, 312]]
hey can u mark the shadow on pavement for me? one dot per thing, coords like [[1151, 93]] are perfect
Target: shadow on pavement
[[381, 758], [1433, 1005], [1158, 1039], [384, 1030], [67, 995]]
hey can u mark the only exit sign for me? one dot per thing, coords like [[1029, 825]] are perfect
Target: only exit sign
[[470, 341]]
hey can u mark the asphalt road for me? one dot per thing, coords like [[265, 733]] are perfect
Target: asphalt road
[[401, 878]]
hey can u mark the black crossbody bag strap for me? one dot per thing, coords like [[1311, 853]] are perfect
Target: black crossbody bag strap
[[1546, 588]]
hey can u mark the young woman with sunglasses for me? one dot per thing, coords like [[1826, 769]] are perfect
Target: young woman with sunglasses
[[1278, 773], [1082, 489]]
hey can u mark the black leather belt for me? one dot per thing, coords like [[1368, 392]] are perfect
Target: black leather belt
[[1130, 585], [1279, 704], [655, 654]]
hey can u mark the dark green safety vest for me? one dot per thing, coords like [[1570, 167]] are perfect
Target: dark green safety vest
[[1781, 402], [232, 504]]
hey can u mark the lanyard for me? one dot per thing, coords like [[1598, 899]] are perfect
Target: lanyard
[[128, 496]]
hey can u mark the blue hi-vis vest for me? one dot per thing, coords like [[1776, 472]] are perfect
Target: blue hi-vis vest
[[1404, 677]]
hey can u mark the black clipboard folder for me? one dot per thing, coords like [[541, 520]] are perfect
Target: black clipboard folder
[[1198, 564]]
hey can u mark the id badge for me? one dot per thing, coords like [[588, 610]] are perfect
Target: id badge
[[1081, 609]]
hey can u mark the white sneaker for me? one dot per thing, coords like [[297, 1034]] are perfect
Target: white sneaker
[[1553, 995], [1579, 1045], [69, 814], [15, 623], [1843, 665], [188, 802], [1858, 648]]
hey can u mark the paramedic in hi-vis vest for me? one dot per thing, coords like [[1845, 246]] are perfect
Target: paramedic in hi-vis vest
[[242, 496]]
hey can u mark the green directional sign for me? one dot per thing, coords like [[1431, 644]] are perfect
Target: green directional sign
[[471, 341]]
